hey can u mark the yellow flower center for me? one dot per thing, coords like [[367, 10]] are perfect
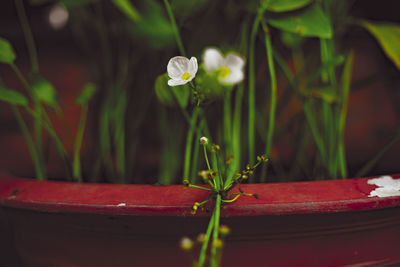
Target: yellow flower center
[[186, 76], [223, 72]]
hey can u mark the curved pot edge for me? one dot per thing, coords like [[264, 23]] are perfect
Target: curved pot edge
[[176, 200]]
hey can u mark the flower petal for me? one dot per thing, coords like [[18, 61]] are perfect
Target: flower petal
[[193, 67], [175, 82], [212, 59], [233, 61], [234, 77], [177, 66]]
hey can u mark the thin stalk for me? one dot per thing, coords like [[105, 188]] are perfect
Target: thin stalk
[[189, 142], [24, 82], [228, 122], [217, 210], [206, 158], [46, 124], [203, 251], [175, 28], [272, 109], [37, 129], [195, 159], [252, 97], [308, 112], [218, 179], [326, 111], [76, 167], [236, 133], [119, 140], [345, 83], [40, 175], [30, 43]]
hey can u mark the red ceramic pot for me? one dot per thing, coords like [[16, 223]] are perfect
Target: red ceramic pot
[[323, 223]]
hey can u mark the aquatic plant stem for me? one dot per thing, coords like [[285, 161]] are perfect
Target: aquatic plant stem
[[228, 122], [236, 134], [251, 95], [203, 250], [273, 96], [214, 246], [29, 142], [307, 107], [175, 28], [76, 166], [345, 85], [189, 142]]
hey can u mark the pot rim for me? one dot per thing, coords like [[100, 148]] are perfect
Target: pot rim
[[329, 196]]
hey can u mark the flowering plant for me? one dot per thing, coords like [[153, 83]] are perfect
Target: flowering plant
[[219, 93]]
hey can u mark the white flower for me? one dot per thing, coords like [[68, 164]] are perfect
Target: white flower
[[229, 69], [181, 70]]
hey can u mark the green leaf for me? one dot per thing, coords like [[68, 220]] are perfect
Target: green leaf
[[7, 54], [126, 7], [87, 93], [285, 5], [13, 97], [43, 89], [311, 22], [388, 36], [169, 95]]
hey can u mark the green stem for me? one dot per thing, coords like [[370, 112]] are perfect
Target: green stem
[[227, 123], [29, 142], [119, 137], [345, 84], [203, 251], [252, 98], [236, 133], [76, 167], [24, 82], [332, 133], [218, 179], [272, 110], [306, 106], [195, 159], [37, 129], [175, 28], [206, 157], [30, 43], [189, 142], [217, 210], [46, 124]]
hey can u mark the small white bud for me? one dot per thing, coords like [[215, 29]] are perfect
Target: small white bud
[[203, 140]]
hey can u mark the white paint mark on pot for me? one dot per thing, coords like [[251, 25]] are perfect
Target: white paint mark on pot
[[387, 187], [121, 205]]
